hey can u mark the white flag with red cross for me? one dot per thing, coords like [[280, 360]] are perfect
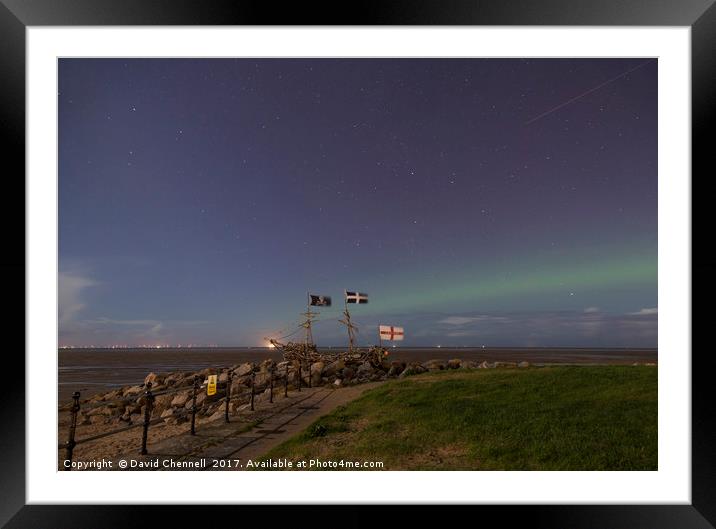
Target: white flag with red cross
[[388, 332]]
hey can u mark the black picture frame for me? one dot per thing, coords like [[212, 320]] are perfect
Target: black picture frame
[[16, 15]]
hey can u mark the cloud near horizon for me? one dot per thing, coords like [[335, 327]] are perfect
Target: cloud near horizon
[[71, 289], [645, 312]]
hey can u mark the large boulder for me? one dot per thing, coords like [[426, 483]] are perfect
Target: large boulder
[[100, 397], [240, 385], [454, 363], [187, 381], [201, 398], [113, 395], [243, 369], [134, 390], [180, 399], [434, 365], [267, 365], [348, 373], [316, 372], [172, 379], [364, 370], [395, 370], [102, 410], [262, 380], [523, 364], [161, 403], [154, 379], [334, 368]]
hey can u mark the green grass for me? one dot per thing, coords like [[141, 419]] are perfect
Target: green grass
[[553, 418]]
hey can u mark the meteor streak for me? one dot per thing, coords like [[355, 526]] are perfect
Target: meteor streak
[[605, 83]]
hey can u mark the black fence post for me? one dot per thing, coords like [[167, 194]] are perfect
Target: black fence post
[[149, 398], [193, 405], [253, 376], [73, 426], [300, 375], [228, 396], [285, 383], [271, 384]]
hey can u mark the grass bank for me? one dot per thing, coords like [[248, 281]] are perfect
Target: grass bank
[[552, 418]]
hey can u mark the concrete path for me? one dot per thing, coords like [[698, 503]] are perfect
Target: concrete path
[[222, 446]]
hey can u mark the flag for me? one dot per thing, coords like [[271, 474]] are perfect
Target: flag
[[320, 301], [356, 297], [388, 332]]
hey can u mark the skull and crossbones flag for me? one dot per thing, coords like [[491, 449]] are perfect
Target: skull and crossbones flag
[[320, 301], [388, 332], [356, 297]]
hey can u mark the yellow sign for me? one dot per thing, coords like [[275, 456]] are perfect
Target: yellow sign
[[211, 385]]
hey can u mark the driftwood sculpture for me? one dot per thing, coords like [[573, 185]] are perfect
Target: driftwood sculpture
[[309, 353]]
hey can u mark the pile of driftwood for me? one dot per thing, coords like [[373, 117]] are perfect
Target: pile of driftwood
[[309, 353]]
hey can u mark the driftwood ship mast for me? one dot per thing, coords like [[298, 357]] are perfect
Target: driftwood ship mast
[[308, 321], [349, 325], [307, 351]]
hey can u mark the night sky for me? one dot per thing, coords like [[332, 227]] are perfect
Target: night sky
[[498, 202]]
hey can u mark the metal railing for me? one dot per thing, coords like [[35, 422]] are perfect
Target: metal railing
[[149, 397]]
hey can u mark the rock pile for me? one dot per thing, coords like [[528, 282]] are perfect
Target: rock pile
[[127, 404]]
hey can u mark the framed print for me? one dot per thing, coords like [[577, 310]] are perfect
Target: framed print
[[442, 252]]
